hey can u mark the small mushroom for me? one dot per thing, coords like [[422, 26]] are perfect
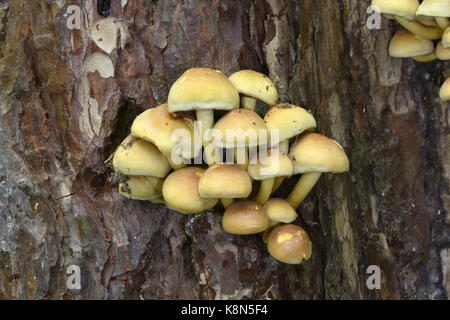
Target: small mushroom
[[289, 244], [280, 211], [225, 181], [431, 33], [405, 44], [444, 92], [289, 121], [141, 188], [240, 128], [441, 52], [439, 9], [203, 90], [266, 168], [312, 155], [135, 157], [254, 86], [180, 191], [446, 38], [405, 8], [426, 57], [157, 126], [245, 217]]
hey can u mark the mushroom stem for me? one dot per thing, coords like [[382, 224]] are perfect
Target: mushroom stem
[[206, 118], [226, 202], [302, 188], [248, 103], [284, 147], [238, 159], [442, 22], [419, 29], [264, 191]]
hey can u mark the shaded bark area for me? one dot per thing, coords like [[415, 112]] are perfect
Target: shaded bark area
[[59, 208]]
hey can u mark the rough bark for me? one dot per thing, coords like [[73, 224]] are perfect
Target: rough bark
[[58, 207]]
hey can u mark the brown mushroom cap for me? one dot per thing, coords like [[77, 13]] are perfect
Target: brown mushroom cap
[[289, 244], [180, 191], [314, 152], [405, 8], [141, 188], [279, 210], [245, 217], [256, 85], [290, 120], [405, 44], [225, 181], [241, 123], [444, 92], [136, 157], [157, 125], [202, 88], [263, 168]]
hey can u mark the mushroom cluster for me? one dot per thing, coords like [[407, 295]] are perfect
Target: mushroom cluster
[[426, 33], [174, 155]]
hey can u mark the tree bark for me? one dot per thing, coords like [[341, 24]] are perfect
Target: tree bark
[[59, 208]]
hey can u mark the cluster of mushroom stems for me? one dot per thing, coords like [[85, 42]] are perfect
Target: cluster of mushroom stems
[[426, 33], [200, 100]]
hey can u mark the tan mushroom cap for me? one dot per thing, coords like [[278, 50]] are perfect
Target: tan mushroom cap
[[289, 244], [180, 191], [203, 88], [290, 120], [256, 85], [245, 217], [274, 164], [425, 58], [141, 188], [441, 52], [405, 44], [239, 123], [446, 38], [157, 125], [434, 8], [314, 152], [405, 8], [444, 93], [225, 181], [279, 210], [136, 157]]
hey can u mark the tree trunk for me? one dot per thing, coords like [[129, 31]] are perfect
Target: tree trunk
[[59, 208]]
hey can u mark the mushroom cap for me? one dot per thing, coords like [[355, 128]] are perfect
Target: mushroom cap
[[446, 38], [203, 88], [313, 152], [141, 188], [157, 125], [180, 191], [444, 92], [256, 85], [280, 210], [289, 244], [434, 8], [289, 120], [245, 217], [441, 52], [263, 168], [405, 8], [425, 58], [239, 123], [225, 181], [406, 44], [134, 157]]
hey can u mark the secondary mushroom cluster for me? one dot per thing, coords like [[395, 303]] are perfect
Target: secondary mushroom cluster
[[161, 161], [426, 33]]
